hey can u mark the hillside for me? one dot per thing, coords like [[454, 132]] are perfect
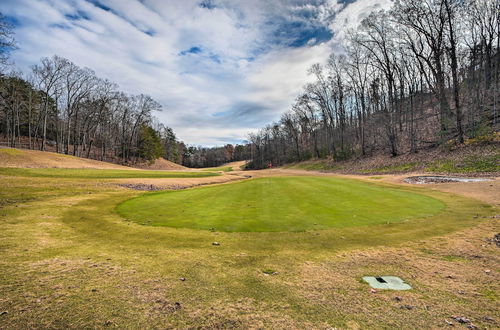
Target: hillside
[[10, 157], [473, 159], [162, 164]]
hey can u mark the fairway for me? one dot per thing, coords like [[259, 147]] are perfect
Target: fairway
[[73, 173], [279, 204]]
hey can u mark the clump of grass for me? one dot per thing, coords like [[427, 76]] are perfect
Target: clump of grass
[[489, 294], [473, 164], [315, 165], [392, 168], [453, 258]]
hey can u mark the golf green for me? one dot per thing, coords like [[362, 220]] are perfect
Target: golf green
[[279, 204]]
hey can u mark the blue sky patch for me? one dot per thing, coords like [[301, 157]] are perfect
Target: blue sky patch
[[192, 50], [207, 4], [100, 5]]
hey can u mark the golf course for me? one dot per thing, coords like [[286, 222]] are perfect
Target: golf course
[[89, 248]]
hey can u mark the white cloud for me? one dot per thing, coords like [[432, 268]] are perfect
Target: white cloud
[[241, 72]]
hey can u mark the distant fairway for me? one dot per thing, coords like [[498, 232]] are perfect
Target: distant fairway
[[279, 204], [73, 173], [217, 169]]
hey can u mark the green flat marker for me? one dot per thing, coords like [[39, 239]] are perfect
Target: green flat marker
[[386, 283]]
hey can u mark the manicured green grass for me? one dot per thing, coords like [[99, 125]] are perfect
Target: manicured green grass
[[218, 169], [98, 174], [279, 204], [70, 261]]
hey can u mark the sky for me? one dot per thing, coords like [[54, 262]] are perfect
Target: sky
[[220, 68]]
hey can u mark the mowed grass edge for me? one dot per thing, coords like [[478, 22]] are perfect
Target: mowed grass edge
[[279, 204]]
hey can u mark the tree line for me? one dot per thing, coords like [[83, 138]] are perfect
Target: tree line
[[59, 106], [420, 74], [65, 108]]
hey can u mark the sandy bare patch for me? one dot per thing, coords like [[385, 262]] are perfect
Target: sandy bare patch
[[175, 183]]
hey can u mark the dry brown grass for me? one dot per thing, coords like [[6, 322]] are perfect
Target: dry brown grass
[[24, 158], [161, 164]]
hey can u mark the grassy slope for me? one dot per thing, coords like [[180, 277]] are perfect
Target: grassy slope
[[10, 157], [68, 260], [279, 204], [481, 159], [98, 174]]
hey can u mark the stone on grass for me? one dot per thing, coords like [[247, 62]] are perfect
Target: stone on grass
[[408, 307]]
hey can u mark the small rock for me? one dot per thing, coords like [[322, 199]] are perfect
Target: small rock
[[177, 305], [4, 313], [275, 273], [449, 323], [398, 298], [461, 292], [471, 326], [94, 290], [489, 319], [182, 279], [495, 239], [373, 290], [461, 319], [487, 271], [408, 307], [450, 276], [108, 323], [216, 243]]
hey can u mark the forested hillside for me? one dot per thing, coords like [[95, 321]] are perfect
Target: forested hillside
[[420, 75]]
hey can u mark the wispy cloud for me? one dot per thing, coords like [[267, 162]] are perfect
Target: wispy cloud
[[220, 68]]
